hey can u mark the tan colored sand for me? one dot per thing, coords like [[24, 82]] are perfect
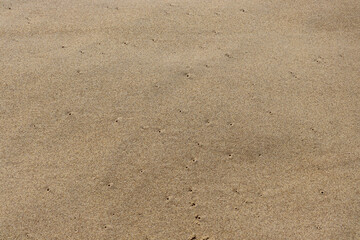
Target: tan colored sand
[[235, 119]]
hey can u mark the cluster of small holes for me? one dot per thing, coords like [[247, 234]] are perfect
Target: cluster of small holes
[[293, 75], [318, 227], [319, 59]]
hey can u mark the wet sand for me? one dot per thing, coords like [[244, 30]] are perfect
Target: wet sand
[[180, 120]]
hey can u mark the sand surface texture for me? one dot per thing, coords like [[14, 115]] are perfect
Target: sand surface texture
[[162, 120]]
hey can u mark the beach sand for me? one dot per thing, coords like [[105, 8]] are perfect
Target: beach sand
[[217, 120]]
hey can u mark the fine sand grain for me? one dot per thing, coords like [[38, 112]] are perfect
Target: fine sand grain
[[179, 120]]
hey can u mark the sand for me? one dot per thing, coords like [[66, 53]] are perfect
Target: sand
[[139, 119]]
